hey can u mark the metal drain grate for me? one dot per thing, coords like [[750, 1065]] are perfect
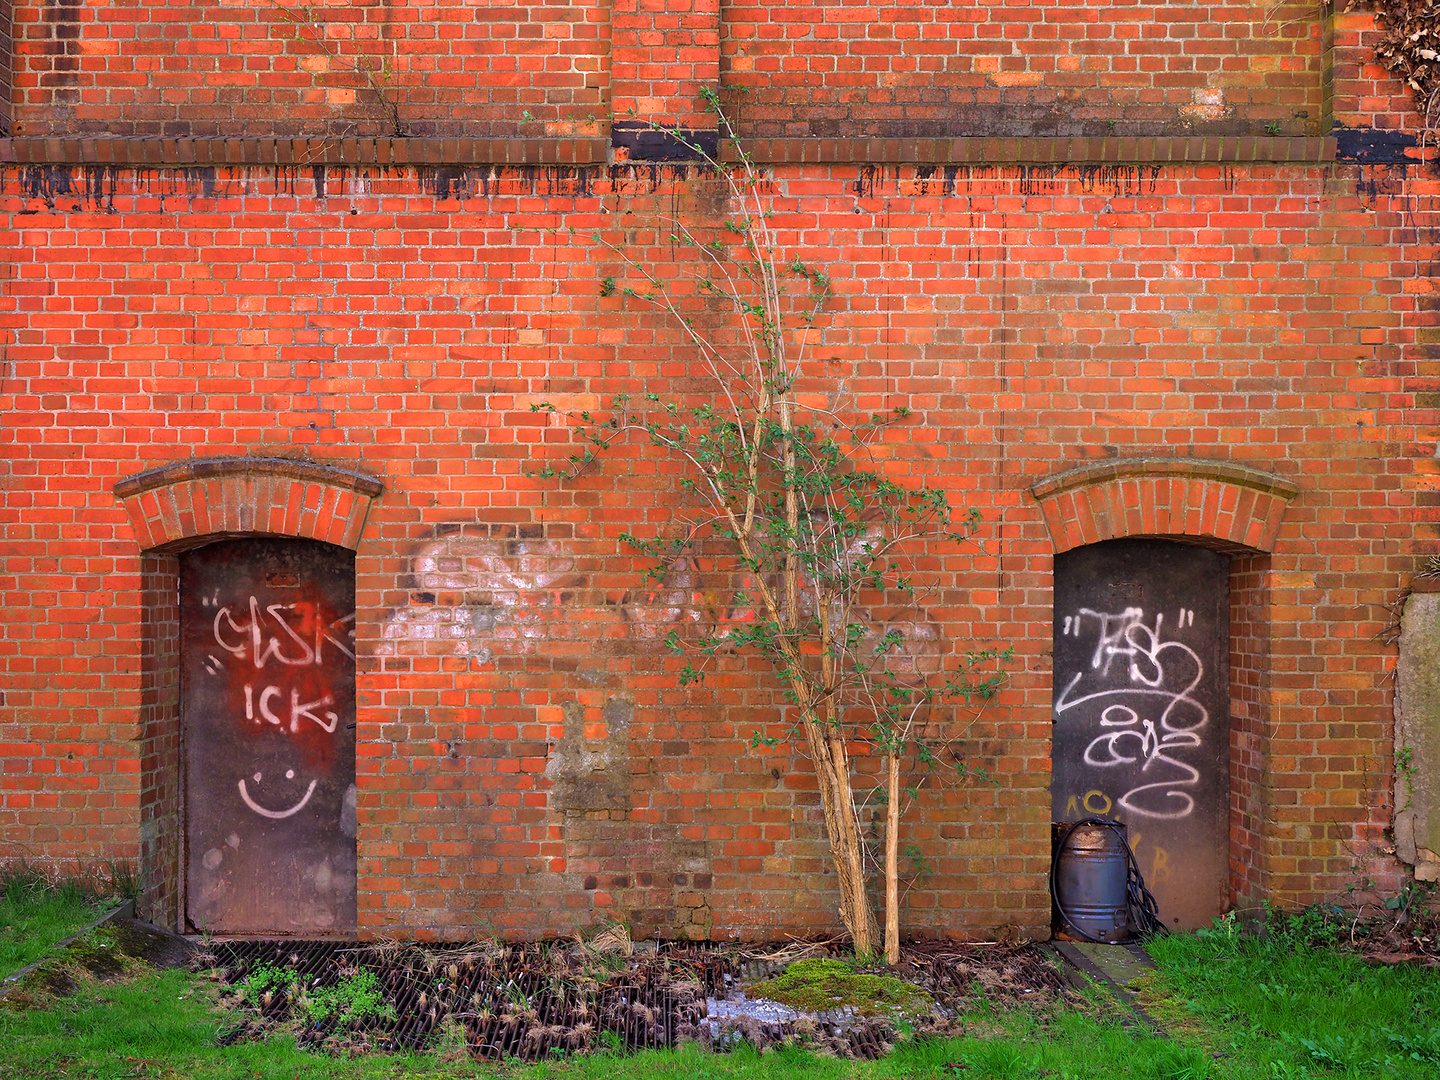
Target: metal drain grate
[[529, 1001]]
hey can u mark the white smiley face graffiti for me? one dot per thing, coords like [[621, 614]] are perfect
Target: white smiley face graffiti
[[276, 814]]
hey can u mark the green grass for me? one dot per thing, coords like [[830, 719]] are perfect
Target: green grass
[[163, 1025], [35, 913], [1236, 1009], [1288, 1005]]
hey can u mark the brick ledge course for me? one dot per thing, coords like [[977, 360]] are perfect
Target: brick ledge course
[[198, 153], [1159, 149]]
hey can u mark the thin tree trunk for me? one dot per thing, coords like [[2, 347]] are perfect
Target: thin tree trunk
[[844, 837], [892, 860], [854, 846]]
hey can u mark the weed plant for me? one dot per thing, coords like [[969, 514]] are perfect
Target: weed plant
[[355, 999], [266, 983]]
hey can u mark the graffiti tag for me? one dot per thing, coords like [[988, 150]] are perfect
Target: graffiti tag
[[1149, 713]]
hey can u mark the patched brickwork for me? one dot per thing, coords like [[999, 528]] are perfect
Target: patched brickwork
[[662, 55], [1150, 335]]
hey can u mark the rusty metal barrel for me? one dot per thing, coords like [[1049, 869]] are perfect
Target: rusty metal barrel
[[1089, 879]]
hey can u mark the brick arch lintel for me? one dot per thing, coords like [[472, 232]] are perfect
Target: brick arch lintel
[[1218, 504], [192, 502]]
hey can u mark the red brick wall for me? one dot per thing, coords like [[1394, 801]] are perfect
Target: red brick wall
[[662, 55], [1364, 93], [821, 68], [208, 68], [1032, 318], [527, 760], [161, 837], [1250, 664], [838, 68]]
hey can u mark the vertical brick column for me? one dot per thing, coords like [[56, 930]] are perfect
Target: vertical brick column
[[1363, 97], [1379, 149], [662, 53], [7, 70]]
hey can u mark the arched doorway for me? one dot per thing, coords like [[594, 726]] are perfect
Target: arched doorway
[[1141, 712]]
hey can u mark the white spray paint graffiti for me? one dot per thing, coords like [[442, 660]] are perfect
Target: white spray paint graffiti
[[276, 814], [1158, 716], [270, 633], [299, 710], [258, 636]]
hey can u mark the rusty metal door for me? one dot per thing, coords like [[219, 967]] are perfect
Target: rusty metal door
[[267, 685], [1141, 711]]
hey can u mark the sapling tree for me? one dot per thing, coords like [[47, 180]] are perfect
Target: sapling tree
[[817, 534]]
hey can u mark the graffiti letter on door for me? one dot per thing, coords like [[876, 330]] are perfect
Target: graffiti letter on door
[[1147, 714], [294, 635]]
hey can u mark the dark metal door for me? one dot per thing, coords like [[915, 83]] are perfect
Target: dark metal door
[[1141, 710], [267, 684]]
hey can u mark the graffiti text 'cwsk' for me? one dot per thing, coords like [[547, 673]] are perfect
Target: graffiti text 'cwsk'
[[270, 633]]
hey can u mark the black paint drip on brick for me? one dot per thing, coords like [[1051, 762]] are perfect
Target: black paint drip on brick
[[646, 143], [1373, 146]]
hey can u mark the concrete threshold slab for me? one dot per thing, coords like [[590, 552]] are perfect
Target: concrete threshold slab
[[1114, 967]]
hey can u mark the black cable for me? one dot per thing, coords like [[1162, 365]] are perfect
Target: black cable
[[1141, 910]]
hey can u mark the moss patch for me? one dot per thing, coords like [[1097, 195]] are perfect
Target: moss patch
[[820, 985], [99, 955]]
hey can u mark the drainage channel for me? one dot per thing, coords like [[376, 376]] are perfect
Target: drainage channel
[[533, 1000]]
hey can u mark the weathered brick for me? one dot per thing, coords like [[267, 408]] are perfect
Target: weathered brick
[[1227, 335]]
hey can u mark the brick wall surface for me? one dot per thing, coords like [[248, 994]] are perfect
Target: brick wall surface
[[209, 68], [839, 67], [821, 68], [527, 760]]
